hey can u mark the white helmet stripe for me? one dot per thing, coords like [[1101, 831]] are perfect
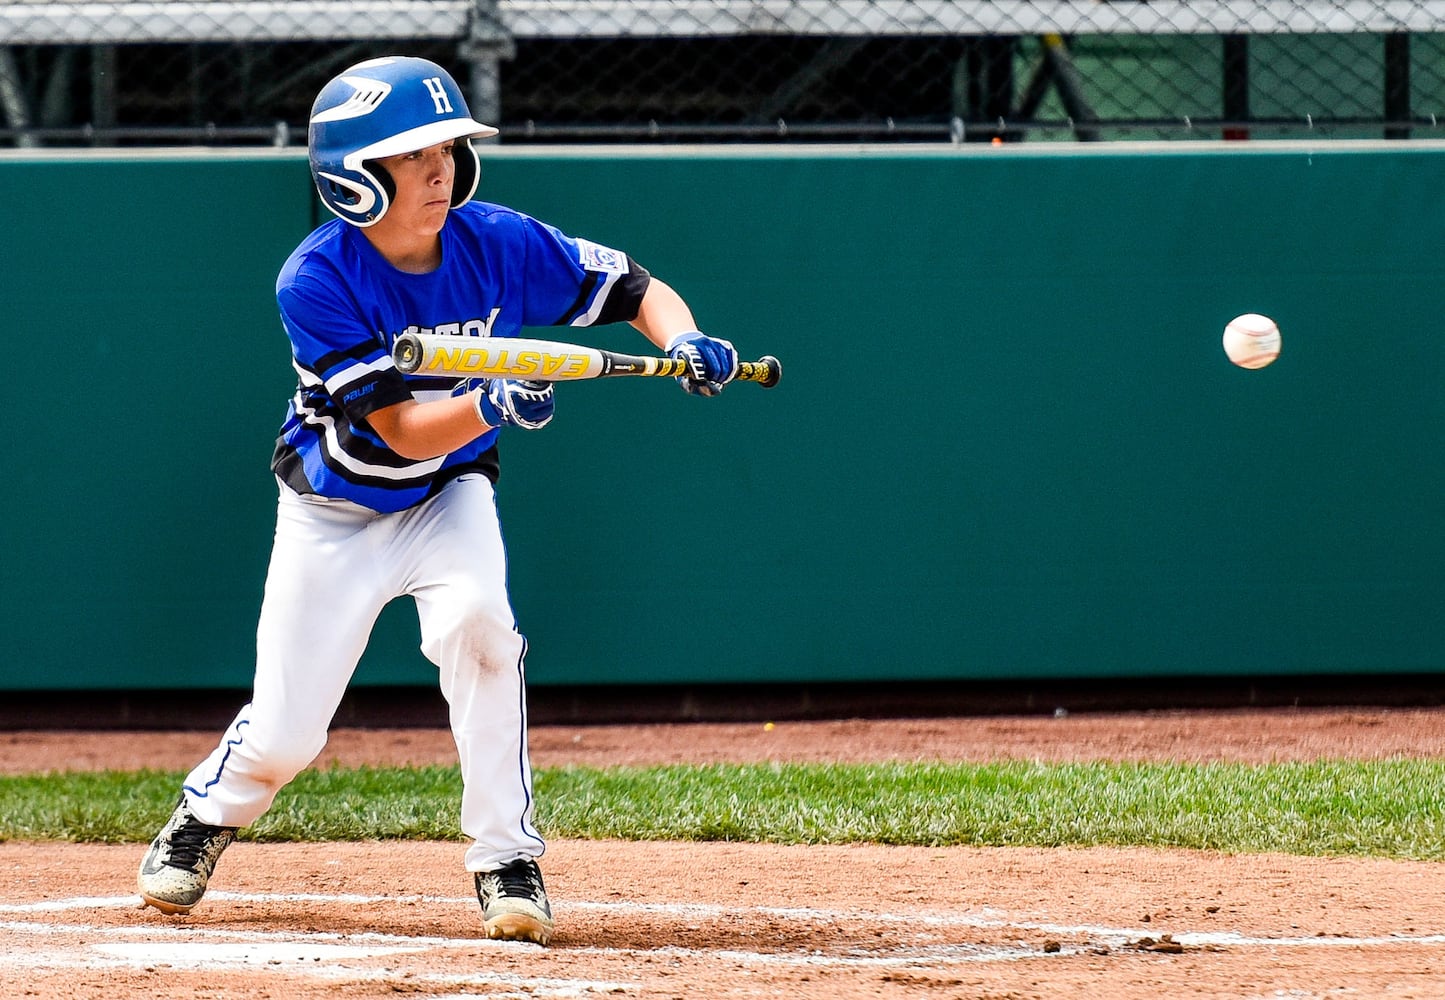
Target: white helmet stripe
[[369, 95]]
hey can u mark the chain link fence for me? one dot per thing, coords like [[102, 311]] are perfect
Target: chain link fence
[[170, 72]]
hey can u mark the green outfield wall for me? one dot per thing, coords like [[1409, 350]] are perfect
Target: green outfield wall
[[1007, 443]]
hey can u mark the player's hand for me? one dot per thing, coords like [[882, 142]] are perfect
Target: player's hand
[[711, 362], [515, 402]]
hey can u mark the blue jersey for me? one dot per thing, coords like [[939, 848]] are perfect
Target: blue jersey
[[343, 306]]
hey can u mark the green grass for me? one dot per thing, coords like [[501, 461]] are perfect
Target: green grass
[[1379, 808]]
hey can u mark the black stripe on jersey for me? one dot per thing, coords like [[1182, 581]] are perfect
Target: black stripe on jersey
[[312, 408], [625, 299], [286, 463], [432, 383], [579, 303], [362, 448], [372, 391], [329, 361], [375, 482], [487, 463]]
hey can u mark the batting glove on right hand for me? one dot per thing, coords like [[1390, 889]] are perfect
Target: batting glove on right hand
[[711, 363], [514, 402]]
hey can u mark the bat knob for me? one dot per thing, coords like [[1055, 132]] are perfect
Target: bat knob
[[774, 368]]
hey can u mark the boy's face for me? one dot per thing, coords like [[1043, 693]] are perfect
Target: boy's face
[[423, 188]]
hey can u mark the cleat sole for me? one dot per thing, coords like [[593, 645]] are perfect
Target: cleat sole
[[518, 927], [166, 906]]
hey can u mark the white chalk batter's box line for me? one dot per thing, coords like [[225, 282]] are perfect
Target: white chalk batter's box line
[[330, 955], [988, 919]]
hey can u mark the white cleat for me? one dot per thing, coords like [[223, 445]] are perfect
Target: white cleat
[[175, 871], [514, 903]]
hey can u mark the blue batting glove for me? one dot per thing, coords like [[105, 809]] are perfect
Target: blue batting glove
[[516, 403], [711, 362]]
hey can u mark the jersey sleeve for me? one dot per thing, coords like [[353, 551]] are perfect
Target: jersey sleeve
[[576, 282], [333, 348]]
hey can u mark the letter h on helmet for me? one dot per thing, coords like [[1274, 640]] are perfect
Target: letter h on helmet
[[383, 107]]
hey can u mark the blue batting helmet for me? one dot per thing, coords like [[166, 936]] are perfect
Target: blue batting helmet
[[382, 107]]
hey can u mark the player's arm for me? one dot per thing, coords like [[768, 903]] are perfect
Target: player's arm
[[662, 314], [665, 319], [615, 288], [419, 431]]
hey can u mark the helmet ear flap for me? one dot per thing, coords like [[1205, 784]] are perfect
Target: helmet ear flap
[[357, 196], [468, 172], [383, 179]]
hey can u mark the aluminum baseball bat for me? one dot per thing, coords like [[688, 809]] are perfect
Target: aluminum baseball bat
[[544, 360]]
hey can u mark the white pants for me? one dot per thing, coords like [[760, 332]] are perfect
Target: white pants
[[334, 566]]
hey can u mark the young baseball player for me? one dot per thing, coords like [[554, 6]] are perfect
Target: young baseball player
[[386, 481]]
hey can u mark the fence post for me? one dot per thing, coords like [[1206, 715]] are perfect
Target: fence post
[[488, 42], [1397, 84], [1236, 86]]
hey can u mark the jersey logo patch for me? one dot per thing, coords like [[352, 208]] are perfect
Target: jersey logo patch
[[596, 257]]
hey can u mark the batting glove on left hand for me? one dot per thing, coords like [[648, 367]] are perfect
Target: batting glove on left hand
[[711, 362], [523, 404]]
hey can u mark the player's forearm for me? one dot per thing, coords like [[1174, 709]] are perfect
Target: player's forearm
[[428, 430], [663, 314]]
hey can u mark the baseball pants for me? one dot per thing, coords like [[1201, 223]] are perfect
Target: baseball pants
[[334, 566]]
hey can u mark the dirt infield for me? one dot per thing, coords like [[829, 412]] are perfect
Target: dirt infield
[[668, 920]]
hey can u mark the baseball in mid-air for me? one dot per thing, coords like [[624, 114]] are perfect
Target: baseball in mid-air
[[1251, 340]]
